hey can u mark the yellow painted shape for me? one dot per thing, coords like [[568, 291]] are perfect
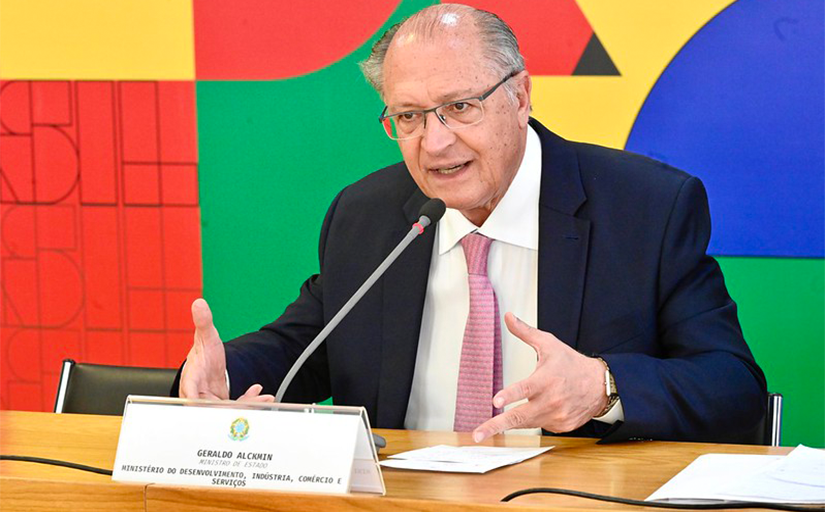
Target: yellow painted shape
[[642, 37], [97, 39]]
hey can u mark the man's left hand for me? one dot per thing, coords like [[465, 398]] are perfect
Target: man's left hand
[[564, 392]]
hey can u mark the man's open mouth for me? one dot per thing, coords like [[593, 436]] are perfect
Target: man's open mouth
[[449, 170]]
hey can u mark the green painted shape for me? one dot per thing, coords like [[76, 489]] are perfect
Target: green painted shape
[[273, 155], [782, 311]]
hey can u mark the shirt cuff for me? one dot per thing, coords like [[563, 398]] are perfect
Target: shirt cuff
[[616, 413], [229, 394]]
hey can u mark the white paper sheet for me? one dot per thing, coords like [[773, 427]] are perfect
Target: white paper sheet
[[461, 459], [796, 478]]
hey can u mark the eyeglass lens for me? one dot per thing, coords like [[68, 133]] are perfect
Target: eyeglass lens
[[455, 115]]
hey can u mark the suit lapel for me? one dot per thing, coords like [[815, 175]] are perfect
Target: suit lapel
[[563, 239], [404, 288]]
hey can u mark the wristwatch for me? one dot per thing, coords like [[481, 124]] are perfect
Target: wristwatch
[[609, 389]]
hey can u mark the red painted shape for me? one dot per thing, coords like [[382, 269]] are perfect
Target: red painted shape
[[21, 349], [552, 34], [20, 307], [146, 310], [60, 289], [275, 39], [147, 348], [104, 347], [179, 184], [17, 233], [177, 121], [178, 312], [15, 116], [17, 166], [96, 143], [55, 164], [57, 227], [24, 396], [139, 121], [141, 184], [144, 251], [51, 105], [99, 229], [181, 233]]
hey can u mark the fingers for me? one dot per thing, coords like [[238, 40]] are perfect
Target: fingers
[[524, 332], [517, 417], [545, 344], [205, 331], [253, 391], [253, 394], [514, 418], [521, 390], [201, 314], [187, 388]]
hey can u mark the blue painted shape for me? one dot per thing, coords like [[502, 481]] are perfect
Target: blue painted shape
[[742, 106]]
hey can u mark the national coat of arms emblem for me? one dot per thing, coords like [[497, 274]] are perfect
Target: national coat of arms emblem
[[239, 430]]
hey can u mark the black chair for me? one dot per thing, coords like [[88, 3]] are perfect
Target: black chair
[[772, 430], [102, 389], [768, 432]]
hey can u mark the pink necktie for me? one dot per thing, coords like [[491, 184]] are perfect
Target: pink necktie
[[479, 376]]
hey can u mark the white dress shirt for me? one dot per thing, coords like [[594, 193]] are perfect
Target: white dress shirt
[[512, 267]]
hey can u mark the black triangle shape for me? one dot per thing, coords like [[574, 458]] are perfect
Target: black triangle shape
[[595, 60]]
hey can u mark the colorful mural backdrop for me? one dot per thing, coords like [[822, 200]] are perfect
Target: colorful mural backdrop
[[153, 151]]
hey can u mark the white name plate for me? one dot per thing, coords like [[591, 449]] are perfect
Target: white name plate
[[303, 448]]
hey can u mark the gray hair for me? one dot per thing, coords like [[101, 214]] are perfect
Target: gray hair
[[499, 43]]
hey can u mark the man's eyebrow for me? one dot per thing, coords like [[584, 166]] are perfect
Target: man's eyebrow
[[443, 98], [404, 107]]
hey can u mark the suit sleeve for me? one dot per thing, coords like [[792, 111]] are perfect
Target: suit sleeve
[[704, 385], [265, 356]]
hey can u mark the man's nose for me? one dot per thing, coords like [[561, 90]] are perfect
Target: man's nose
[[436, 136]]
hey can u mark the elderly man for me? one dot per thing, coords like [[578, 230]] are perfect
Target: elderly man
[[602, 251]]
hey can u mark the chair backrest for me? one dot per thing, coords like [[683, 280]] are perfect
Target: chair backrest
[[101, 389], [773, 420], [769, 431]]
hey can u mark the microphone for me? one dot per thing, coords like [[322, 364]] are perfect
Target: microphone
[[430, 213]]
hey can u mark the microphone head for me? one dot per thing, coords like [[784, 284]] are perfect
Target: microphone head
[[433, 209]]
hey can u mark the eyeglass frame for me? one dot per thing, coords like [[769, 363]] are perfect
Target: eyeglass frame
[[424, 113]]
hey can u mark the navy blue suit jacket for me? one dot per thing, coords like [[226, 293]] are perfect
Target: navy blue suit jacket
[[623, 274]]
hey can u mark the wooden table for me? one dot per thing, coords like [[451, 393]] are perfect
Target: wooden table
[[630, 470]]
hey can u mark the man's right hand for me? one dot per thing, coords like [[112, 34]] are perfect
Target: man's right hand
[[204, 374]]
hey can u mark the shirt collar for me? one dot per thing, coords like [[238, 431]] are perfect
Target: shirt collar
[[515, 220]]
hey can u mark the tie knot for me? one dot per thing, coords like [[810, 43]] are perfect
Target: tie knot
[[476, 248]]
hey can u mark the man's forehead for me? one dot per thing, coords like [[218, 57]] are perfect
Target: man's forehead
[[432, 79], [447, 67]]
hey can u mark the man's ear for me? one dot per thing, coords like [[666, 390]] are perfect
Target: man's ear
[[523, 90]]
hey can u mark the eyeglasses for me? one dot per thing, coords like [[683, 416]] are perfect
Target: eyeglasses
[[455, 115]]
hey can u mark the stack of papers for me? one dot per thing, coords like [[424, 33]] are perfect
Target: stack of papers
[[461, 459], [798, 477]]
